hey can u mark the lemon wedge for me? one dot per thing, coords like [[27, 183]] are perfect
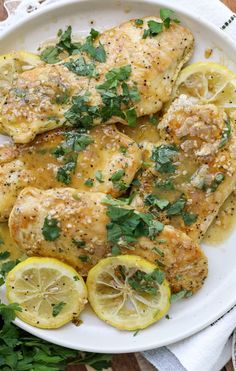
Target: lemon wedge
[[128, 292], [49, 292], [209, 82], [15, 63]]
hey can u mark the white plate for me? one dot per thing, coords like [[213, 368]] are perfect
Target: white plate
[[218, 293]]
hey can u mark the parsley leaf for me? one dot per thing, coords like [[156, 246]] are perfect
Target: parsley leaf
[[8, 266], [155, 201], [50, 55], [165, 185], [50, 229], [75, 142], [4, 255], [127, 225], [117, 182], [82, 68], [99, 176], [22, 351], [146, 282], [225, 134], [117, 175], [131, 116], [64, 172], [84, 258], [219, 178], [138, 22], [180, 295], [81, 113], [167, 16], [89, 182], [163, 156], [57, 308], [97, 53], [176, 207], [189, 218], [154, 28]]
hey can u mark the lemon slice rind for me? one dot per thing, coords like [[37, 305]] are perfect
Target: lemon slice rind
[[38, 284]]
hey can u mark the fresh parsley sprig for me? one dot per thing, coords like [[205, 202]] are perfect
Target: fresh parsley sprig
[[22, 351]]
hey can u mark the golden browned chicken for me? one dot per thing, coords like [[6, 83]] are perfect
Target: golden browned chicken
[[191, 170], [102, 160], [82, 227], [133, 78]]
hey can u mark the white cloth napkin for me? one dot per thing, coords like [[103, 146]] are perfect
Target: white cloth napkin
[[211, 348]]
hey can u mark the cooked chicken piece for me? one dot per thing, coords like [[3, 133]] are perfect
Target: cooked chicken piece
[[192, 169], [107, 162], [73, 226], [40, 97]]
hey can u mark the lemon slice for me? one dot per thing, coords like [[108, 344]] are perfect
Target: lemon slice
[[49, 292], [14, 63], [209, 82], [128, 292]]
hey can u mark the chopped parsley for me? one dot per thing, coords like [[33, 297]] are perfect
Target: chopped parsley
[[1, 241], [78, 243], [123, 150], [99, 176], [50, 229], [74, 143], [4, 255], [176, 207], [57, 308], [62, 98], [180, 295], [155, 28], [153, 200], [152, 120], [84, 258], [167, 16], [23, 351], [189, 218], [138, 22], [89, 182], [165, 185], [76, 278], [126, 225], [163, 156], [97, 53], [82, 68], [81, 114], [115, 251], [218, 179], [146, 282], [113, 101], [51, 54], [225, 134], [64, 172], [158, 251], [8, 266], [117, 181]]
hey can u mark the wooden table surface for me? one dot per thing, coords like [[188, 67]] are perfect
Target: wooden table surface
[[128, 362]]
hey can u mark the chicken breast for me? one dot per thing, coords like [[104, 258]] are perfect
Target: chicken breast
[[41, 99], [78, 227], [102, 160], [192, 169]]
